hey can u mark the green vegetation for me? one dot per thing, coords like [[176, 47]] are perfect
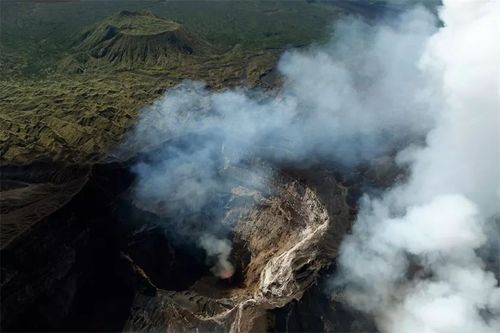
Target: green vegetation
[[39, 34], [75, 74]]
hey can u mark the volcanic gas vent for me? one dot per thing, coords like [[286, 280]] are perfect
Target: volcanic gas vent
[[137, 40], [279, 245]]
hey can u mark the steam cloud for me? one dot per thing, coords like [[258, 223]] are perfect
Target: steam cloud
[[221, 249], [411, 260], [344, 102]]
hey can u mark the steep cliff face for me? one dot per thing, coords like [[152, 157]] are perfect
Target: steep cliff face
[[31, 193], [279, 248], [47, 271]]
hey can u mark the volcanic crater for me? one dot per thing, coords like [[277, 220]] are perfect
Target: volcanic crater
[[132, 40], [117, 267]]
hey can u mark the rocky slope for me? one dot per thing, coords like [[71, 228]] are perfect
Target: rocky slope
[[29, 194], [280, 248]]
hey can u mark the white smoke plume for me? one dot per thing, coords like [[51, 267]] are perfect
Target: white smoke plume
[[221, 250], [412, 259], [359, 96]]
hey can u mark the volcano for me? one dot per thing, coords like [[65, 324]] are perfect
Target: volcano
[[137, 40]]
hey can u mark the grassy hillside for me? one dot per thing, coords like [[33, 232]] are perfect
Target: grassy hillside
[[75, 74], [34, 36]]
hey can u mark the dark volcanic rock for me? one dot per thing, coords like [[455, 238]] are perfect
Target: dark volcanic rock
[[30, 193], [62, 270]]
